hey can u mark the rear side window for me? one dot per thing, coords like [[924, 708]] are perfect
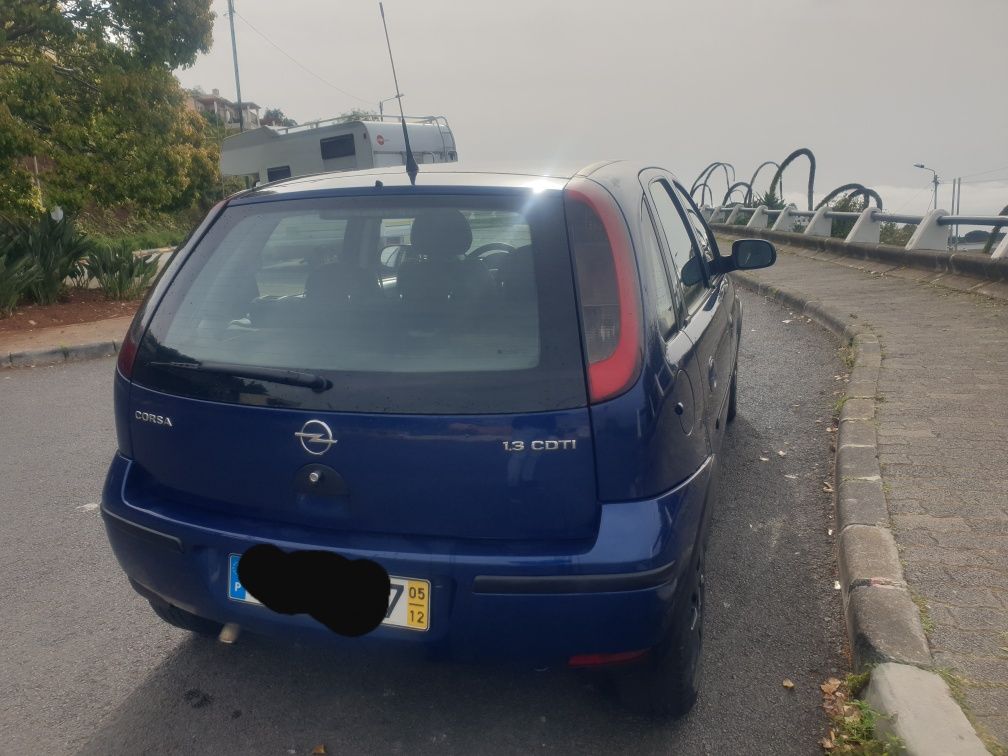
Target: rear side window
[[427, 305]]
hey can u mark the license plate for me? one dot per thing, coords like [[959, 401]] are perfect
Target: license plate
[[409, 598]]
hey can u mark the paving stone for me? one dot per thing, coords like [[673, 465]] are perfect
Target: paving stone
[[948, 557], [984, 702], [966, 642], [976, 669], [933, 524], [969, 617]]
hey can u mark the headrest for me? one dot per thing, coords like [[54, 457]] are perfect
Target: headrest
[[442, 233]]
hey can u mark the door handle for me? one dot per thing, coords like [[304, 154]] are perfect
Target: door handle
[[711, 373]]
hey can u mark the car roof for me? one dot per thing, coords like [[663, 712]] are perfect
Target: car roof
[[430, 176]]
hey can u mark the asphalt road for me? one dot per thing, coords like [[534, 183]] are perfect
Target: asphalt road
[[87, 668]]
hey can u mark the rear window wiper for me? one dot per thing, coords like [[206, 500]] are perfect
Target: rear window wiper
[[276, 375]]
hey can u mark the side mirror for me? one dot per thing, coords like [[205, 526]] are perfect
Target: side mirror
[[748, 254], [692, 272]]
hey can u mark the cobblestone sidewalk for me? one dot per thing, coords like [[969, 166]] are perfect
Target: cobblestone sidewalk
[[942, 421]]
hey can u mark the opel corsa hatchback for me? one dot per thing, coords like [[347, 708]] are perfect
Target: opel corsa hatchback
[[508, 391]]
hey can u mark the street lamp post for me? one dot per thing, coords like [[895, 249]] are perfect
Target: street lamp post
[[381, 104], [234, 55], [935, 181]]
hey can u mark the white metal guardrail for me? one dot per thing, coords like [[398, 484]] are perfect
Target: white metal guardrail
[[933, 230]]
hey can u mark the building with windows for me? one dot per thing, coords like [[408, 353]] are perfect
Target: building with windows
[[224, 109]]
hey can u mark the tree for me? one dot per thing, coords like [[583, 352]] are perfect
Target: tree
[[276, 117], [357, 114], [842, 226], [86, 91], [770, 199]]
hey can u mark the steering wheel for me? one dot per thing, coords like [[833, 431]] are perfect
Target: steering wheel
[[487, 247]]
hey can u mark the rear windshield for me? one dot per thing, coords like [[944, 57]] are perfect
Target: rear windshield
[[433, 305]]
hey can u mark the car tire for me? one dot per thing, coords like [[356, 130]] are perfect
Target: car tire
[[733, 397], [185, 620], [666, 682]]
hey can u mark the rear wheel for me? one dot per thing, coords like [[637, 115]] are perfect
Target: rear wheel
[[185, 620], [666, 682], [733, 396]]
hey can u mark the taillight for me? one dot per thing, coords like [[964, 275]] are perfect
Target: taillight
[[128, 350], [608, 288]]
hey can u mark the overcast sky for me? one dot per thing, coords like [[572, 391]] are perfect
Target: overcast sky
[[871, 86]]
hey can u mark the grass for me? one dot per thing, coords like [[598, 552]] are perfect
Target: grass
[[925, 614], [847, 355], [853, 723], [838, 406]]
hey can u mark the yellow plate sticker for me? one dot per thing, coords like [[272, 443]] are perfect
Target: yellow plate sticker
[[418, 604], [409, 603]]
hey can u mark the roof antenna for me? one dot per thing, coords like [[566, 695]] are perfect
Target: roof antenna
[[412, 169]]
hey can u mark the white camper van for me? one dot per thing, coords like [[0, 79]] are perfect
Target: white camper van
[[270, 153]]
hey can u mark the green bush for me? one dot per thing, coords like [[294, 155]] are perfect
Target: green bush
[[17, 274], [141, 230], [53, 247], [120, 273]]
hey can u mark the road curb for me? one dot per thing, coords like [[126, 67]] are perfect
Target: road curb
[[921, 712], [883, 622], [59, 355]]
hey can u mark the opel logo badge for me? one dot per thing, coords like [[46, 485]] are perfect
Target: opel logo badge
[[316, 437]]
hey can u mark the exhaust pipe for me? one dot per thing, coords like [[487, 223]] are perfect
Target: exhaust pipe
[[229, 633]]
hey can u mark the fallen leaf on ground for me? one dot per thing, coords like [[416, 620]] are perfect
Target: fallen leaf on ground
[[781, 453], [785, 321], [827, 487], [764, 459], [318, 750], [791, 477], [788, 683], [830, 686]]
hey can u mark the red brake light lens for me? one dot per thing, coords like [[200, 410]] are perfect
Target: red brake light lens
[[608, 288], [128, 350]]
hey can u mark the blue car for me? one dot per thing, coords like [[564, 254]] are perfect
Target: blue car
[[503, 395]]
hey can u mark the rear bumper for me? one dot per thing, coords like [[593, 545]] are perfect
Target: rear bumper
[[616, 594]]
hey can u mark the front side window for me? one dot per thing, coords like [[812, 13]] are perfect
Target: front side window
[[399, 304], [679, 242]]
